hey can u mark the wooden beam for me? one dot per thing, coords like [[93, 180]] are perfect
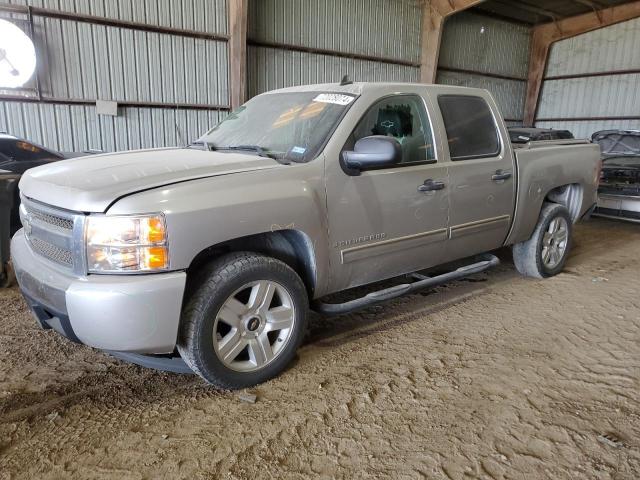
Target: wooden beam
[[430, 39], [449, 7], [543, 36], [587, 22], [543, 12], [434, 13], [237, 52], [538, 55]]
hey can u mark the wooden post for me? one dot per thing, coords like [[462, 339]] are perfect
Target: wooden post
[[539, 52], [237, 52], [432, 23], [434, 13], [543, 36]]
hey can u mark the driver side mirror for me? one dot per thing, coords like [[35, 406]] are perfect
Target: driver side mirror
[[376, 151]]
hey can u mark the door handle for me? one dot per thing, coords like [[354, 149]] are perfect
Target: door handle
[[500, 175], [430, 186]]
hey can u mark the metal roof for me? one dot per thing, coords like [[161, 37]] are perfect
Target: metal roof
[[533, 12]]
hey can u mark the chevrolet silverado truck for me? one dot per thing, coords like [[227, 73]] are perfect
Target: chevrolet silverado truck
[[213, 253]]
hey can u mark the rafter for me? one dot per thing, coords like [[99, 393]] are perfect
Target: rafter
[[434, 13], [543, 36], [553, 16], [237, 52]]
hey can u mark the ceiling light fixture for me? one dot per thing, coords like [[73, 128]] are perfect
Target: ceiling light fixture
[[17, 56]]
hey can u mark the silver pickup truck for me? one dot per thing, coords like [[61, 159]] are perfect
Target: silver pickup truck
[[216, 251]]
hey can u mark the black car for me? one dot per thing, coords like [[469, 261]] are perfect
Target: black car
[[17, 155], [520, 135]]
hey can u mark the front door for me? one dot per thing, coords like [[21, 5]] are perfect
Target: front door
[[380, 223], [481, 173]]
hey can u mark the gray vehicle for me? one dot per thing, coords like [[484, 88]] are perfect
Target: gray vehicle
[[619, 190], [217, 250]]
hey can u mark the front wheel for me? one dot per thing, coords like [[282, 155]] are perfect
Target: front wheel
[[245, 321], [546, 252]]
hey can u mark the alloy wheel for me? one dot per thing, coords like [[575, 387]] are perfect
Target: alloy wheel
[[253, 326], [554, 242]]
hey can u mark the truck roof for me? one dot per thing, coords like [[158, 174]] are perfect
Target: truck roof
[[358, 88]]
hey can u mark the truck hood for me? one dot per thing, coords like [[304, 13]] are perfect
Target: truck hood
[[91, 184]]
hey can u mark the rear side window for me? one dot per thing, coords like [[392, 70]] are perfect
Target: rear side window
[[471, 129]]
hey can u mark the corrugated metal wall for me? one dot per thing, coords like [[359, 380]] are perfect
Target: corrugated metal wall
[[489, 48], [199, 15], [79, 128], [611, 49], [83, 61], [335, 25], [271, 68]]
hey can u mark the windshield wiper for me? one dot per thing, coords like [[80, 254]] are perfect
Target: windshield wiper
[[252, 148], [258, 149], [207, 146]]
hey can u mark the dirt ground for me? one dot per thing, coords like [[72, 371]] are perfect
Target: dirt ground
[[489, 378]]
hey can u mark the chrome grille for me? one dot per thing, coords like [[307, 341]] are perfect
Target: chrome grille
[[52, 252], [49, 219], [50, 231]]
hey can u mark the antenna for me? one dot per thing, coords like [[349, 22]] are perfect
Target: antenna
[[346, 80]]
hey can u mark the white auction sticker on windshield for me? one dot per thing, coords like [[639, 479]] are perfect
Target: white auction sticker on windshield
[[336, 98]]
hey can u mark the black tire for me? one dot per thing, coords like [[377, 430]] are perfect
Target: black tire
[[217, 283], [527, 256]]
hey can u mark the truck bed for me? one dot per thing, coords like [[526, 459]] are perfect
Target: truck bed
[[544, 164]]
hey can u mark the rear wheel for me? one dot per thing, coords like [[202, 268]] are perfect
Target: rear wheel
[[245, 321], [545, 253]]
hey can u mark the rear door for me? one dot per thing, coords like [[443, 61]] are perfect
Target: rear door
[[481, 175]]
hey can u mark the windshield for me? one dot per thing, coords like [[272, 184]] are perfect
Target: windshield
[[292, 126]]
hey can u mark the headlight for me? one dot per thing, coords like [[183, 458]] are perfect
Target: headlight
[[118, 244]]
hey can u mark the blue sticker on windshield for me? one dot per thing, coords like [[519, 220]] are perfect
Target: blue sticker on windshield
[[298, 150]]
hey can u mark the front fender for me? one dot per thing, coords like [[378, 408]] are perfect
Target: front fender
[[210, 211]]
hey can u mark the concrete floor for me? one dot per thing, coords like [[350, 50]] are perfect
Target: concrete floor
[[493, 377]]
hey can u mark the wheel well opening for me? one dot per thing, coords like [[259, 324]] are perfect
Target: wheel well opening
[[292, 247], [570, 196]]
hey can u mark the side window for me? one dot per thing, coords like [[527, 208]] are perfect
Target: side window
[[471, 128], [404, 118]]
